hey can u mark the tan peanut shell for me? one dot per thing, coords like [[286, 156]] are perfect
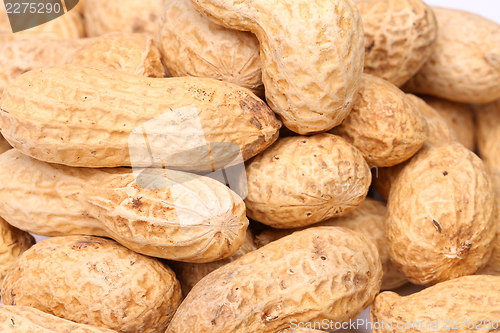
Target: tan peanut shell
[[383, 125], [94, 281], [134, 54], [369, 220], [460, 118], [464, 65], [24, 319], [97, 117], [190, 274], [399, 36], [467, 303], [441, 218], [192, 45], [312, 55], [13, 242], [4, 145], [161, 213], [309, 276], [131, 16], [302, 180]]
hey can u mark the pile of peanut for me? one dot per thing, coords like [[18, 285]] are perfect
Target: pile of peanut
[[250, 166]]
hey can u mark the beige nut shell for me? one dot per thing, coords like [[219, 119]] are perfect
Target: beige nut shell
[[436, 309], [309, 276], [94, 281], [441, 218], [135, 54], [465, 62], [312, 55], [384, 125], [301, 180], [98, 116], [399, 37], [24, 319], [193, 45]]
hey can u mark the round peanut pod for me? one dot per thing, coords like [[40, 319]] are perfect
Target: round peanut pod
[[312, 275], [441, 215], [192, 45], [64, 276], [134, 54], [312, 55], [466, 303], [399, 36], [24, 319], [300, 181], [384, 125], [455, 70]]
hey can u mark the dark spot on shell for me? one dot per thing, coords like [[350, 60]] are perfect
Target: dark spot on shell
[[137, 203], [437, 225], [445, 173], [370, 47], [323, 258]]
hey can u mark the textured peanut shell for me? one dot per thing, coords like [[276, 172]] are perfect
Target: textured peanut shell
[[190, 274], [94, 112], [131, 16], [399, 36], [190, 218], [13, 242], [464, 65], [192, 45], [460, 118], [441, 218], [312, 55], [24, 319], [94, 281], [309, 276], [369, 220], [450, 303], [301, 180], [133, 54], [383, 125]]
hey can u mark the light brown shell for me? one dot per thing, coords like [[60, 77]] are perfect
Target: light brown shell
[[134, 54], [465, 62], [460, 118], [131, 16], [301, 180], [309, 276], [383, 125], [98, 116], [369, 220], [167, 214], [399, 36], [24, 319], [4, 145], [312, 55], [441, 215], [13, 242], [192, 45], [94, 281], [439, 308]]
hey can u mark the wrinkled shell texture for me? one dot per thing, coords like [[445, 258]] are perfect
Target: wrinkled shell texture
[[23, 319], [383, 125], [98, 116], [21, 56], [311, 275], [312, 55], [191, 218], [13, 242], [133, 54], [131, 16], [94, 281], [471, 297], [192, 45], [399, 36], [300, 181], [460, 118], [441, 215], [465, 63]]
